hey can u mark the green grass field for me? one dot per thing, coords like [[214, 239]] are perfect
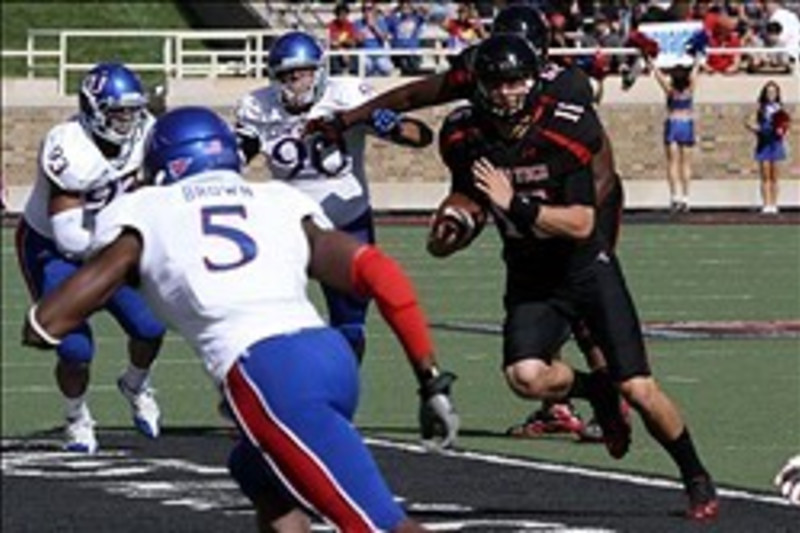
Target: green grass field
[[741, 397], [18, 17]]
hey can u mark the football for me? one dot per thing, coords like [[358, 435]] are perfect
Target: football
[[454, 224]]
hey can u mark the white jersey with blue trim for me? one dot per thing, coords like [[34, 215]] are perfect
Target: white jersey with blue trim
[[224, 260], [336, 181], [69, 159]]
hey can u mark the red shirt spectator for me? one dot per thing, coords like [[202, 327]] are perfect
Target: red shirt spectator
[[723, 35], [342, 35], [466, 28], [341, 31]]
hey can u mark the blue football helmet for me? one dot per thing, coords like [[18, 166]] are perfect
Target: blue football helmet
[[186, 141], [294, 51], [112, 102]]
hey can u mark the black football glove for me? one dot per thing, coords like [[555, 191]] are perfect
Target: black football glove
[[438, 419]]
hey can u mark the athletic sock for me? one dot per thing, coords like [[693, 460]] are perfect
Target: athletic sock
[[580, 385], [684, 454], [135, 378], [75, 408]]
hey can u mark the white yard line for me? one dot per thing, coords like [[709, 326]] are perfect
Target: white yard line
[[634, 479]]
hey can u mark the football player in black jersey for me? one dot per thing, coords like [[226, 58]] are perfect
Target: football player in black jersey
[[557, 83], [529, 164]]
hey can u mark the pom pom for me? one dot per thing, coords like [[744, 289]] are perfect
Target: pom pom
[[645, 44], [780, 122]]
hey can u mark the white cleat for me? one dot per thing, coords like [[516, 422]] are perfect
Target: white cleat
[[79, 435], [144, 408]]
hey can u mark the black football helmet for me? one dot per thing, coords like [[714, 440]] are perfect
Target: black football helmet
[[527, 21], [500, 59]]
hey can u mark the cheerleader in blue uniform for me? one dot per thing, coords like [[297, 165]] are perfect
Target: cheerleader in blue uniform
[[679, 136], [770, 127]]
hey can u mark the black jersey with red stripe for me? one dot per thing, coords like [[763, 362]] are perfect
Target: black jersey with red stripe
[[551, 161]]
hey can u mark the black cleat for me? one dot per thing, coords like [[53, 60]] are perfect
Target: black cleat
[[611, 413]]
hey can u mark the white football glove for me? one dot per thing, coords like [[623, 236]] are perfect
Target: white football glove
[[788, 480], [438, 419]]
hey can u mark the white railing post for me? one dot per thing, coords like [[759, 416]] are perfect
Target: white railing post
[[179, 56], [30, 61], [62, 63], [166, 55]]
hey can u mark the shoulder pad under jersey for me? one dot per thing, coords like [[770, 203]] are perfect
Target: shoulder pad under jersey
[[254, 107], [342, 94], [569, 84], [71, 160]]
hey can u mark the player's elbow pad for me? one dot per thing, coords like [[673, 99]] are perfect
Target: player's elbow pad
[[71, 236], [375, 274]]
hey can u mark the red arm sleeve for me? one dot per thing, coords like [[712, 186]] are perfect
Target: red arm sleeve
[[379, 276]]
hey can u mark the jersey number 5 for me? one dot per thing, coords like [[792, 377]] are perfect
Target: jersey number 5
[[217, 222]]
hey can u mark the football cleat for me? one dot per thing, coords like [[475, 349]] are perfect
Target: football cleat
[[557, 418], [79, 435], [591, 432], [788, 480], [144, 409], [703, 502], [612, 414]]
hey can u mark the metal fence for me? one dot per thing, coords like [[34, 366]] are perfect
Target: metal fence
[[226, 53]]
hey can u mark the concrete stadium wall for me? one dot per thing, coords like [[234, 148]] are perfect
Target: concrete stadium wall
[[401, 178]]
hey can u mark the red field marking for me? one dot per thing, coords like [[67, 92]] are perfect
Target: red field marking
[[700, 329]]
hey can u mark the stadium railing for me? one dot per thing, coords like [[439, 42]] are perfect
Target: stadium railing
[[233, 53]]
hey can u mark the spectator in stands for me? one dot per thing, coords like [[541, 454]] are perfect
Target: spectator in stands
[[751, 38], [466, 28], [789, 34], [405, 27], [679, 135], [373, 34], [605, 34], [342, 35], [656, 11], [723, 35], [776, 61], [439, 11], [706, 12], [558, 34], [770, 127]]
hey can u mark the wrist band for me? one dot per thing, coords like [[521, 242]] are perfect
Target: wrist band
[[39, 330], [423, 376], [523, 212]]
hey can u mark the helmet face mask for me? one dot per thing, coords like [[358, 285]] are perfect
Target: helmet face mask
[[299, 87], [296, 67], [122, 121], [507, 74], [508, 97], [112, 103]]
